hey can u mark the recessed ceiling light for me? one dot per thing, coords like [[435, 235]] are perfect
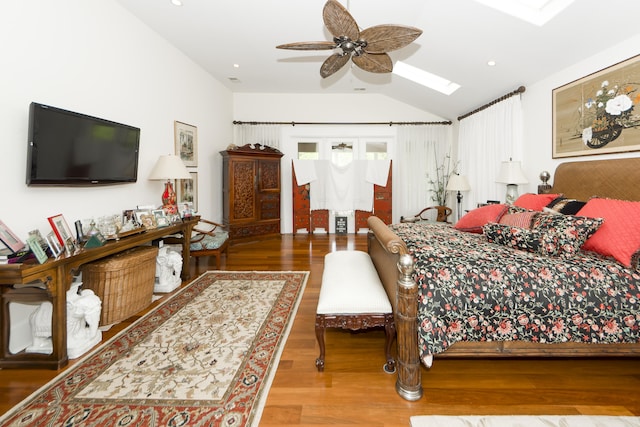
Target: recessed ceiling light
[[537, 12], [491, 63], [424, 78], [236, 65], [176, 2]]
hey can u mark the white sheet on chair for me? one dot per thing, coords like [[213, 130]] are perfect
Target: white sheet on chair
[[378, 172], [341, 188], [305, 171]]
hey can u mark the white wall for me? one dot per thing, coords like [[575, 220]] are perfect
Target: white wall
[[325, 108], [537, 108], [98, 59]]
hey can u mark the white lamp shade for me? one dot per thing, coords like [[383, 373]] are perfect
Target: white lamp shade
[[458, 183], [511, 173], [169, 167]]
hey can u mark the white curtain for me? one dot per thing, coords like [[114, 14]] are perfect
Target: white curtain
[[419, 152], [263, 134], [486, 139]]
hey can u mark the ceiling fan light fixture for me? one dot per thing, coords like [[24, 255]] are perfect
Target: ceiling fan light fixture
[[367, 48], [425, 78]]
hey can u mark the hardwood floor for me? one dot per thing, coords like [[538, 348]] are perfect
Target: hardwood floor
[[353, 389]]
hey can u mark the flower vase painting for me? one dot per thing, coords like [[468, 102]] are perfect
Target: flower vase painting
[[599, 113]]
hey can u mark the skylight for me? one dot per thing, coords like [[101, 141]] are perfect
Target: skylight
[[537, 12], [424, 78]]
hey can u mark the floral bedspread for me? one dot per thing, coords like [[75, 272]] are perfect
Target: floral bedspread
[[473, 290]]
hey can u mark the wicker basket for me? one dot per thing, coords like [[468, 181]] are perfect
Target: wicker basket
[[124, 282]]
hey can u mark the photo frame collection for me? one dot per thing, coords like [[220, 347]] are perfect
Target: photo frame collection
[[186, 147]]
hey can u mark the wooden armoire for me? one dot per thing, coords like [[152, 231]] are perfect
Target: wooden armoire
[[251, 191]]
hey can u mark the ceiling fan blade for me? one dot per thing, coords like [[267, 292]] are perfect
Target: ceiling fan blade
[[324, 45], [339, 21], [333, 64], [385, 38], [374, 63]]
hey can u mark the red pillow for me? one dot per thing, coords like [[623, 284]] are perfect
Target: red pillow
[[535, 202], [473, 221], [619, 236]]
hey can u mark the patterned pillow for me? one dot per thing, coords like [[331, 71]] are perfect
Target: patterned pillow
[[535, 201], [473, 221], [566, 206], [520, 219], [619, 236], [513, 237], [564, 235]]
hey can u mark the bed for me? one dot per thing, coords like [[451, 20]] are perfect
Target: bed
[[523, 285]]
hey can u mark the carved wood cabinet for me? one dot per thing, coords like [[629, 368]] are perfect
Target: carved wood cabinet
[[251, 191]]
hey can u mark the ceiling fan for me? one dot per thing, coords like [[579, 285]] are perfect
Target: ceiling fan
[[367, 48]]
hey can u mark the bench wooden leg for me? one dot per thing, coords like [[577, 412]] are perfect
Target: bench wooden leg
[[320, 327]]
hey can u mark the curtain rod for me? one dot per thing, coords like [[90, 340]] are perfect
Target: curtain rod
[[238, 122], [521, 89]]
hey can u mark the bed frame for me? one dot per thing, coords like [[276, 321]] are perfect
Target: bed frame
[[617, 179]]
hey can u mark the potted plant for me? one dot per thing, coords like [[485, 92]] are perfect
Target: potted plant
[[439, 187]]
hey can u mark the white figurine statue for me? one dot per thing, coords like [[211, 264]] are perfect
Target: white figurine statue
[[168, 269], [83, 318]]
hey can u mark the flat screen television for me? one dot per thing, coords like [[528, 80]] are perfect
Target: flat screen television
[[67, 148]]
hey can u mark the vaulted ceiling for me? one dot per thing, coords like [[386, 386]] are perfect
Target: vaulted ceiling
[[459, 38]]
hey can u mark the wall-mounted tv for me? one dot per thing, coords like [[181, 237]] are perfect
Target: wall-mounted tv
[[67, 148]]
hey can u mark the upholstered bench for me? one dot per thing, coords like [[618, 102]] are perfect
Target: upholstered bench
[[352, 297]]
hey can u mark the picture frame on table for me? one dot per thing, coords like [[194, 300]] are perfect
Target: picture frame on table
[[187, 191], [186, 142], [9, 238], [161, 218], [61, 229], [145, 218], [598, 113], [35, 247], [54, 245]]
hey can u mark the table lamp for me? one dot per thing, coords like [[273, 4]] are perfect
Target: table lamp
[[169, 167], [511, 174], [458, 183]]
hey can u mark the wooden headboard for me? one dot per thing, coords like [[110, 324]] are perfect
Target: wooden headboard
[[615, 179]]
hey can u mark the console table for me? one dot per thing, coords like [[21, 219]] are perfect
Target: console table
[[51, 280]]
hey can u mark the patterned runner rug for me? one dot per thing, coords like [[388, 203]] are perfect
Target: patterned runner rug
[[206, 356]]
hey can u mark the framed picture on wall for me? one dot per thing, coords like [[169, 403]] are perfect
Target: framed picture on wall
[[599, 113], [186, 142], [187, 191]]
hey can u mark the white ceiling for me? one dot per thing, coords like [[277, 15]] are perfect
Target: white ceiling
[[459, 37]]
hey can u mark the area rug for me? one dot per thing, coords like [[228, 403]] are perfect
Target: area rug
[[204, 357], [524, 421]]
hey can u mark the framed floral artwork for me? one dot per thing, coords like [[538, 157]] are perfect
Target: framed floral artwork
[[599, 113], [187, 191], [186, 143]]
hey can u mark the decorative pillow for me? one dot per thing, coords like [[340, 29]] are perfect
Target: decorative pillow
[[566, 206], [520, 219], [619, 236], [513, 237], [564, 235], [473, 221], [535, 201]]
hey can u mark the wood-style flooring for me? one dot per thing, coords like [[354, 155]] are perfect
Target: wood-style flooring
[[354, 390]]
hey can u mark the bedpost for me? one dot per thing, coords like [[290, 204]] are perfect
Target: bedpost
[[408, 383]]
